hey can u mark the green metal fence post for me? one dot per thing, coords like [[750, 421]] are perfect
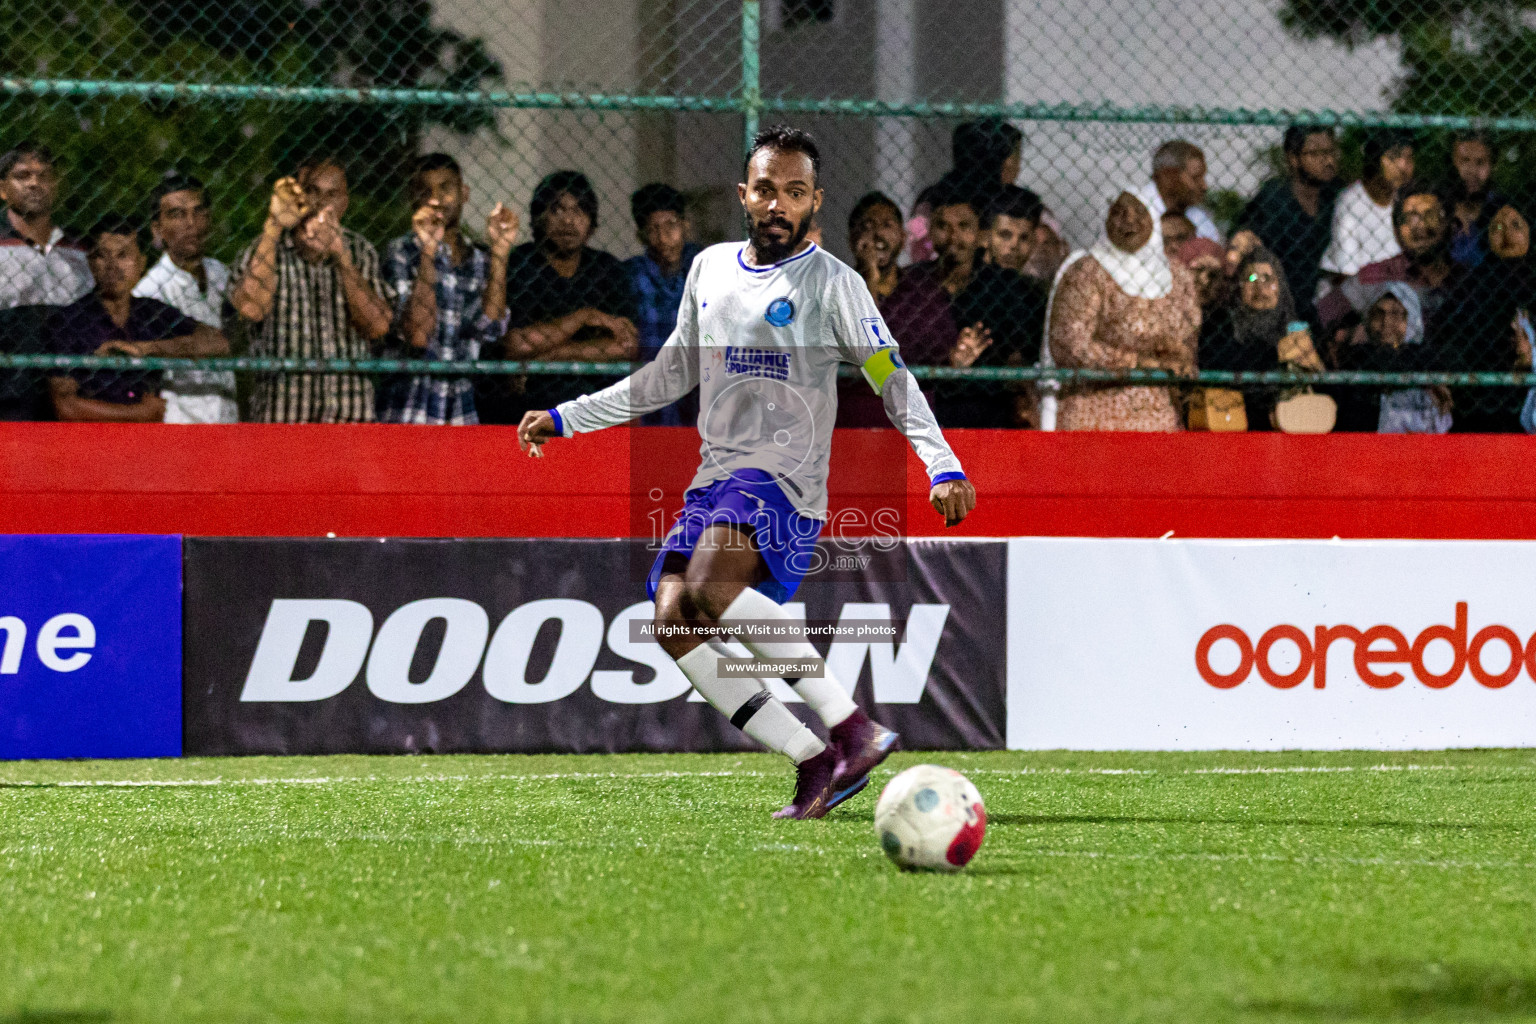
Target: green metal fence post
[[751, 70]]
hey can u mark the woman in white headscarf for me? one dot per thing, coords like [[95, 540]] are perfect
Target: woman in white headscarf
[[1121, 305]]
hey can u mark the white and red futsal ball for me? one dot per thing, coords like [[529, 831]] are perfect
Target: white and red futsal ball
[[930, 818]]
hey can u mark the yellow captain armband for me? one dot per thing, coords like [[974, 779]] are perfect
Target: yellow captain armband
[[880, 366]]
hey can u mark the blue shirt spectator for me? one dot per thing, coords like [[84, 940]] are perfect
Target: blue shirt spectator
[[658, 276]]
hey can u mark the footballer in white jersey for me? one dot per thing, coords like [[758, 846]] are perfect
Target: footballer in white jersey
[[761, 331]]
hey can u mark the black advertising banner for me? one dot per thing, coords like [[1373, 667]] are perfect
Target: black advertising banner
[[309, 646]]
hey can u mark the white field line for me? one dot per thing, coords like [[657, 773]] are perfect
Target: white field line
[[1270, 858], [1294, 770], [313, 780], [557, 776]]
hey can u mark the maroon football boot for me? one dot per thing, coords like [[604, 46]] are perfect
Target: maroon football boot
[[813, 787], [861, 744]]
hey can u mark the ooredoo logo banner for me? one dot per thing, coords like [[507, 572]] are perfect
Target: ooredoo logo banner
[[1129, 644], [90, 646]]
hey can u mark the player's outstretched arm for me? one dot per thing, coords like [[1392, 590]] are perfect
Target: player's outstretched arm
[[538, 426], [952, 495]]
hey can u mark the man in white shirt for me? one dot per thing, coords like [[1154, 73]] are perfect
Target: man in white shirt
[[1178, 170], [761, 331], [194, 284], [1363, 232]]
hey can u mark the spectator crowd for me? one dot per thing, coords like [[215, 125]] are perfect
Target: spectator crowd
[[1399, 271]]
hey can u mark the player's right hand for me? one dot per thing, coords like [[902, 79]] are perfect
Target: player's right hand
[[953, 499], [538, 426]]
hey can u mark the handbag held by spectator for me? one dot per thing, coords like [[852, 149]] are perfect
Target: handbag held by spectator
[[1219, 410], [1305, 412]]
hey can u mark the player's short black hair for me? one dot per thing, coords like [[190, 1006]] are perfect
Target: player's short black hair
[[548, 192], [1295, 138], [171, 183], [656, 197], [1013, 201], [112, 224], [19, 152], [786, 140], [869, 201]]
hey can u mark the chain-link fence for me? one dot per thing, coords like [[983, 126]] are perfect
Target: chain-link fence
[[1376, 252]]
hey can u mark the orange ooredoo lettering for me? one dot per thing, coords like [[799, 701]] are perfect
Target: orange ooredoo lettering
[[1323, 636], [1399, 650], [1261, 657], [1475, 656], [1456, 636], [1365, 657], [1203, 656]]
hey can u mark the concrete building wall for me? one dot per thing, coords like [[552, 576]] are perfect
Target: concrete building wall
[[569, 44], [1228, 53], [1193, 52]]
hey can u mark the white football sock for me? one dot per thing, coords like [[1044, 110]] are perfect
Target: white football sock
[[825, 695], [750, 708]]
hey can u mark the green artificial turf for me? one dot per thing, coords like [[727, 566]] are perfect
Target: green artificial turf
[[1111, 888]]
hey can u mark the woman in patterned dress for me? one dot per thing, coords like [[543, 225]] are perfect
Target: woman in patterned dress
[[1122, 305]]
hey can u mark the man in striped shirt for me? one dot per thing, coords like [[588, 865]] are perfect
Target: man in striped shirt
[[40, 270], [311, 289]]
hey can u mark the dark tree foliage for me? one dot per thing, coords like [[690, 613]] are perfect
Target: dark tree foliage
[[114, 150]]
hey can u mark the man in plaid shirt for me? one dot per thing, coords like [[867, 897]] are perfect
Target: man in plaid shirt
[[463, 304]]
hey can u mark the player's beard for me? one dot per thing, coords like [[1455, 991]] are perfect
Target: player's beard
[[769, 251]]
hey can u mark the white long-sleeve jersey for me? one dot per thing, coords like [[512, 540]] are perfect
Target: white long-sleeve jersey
[[763, 346]]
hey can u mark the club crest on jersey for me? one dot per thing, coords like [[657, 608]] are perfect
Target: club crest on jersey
[[877, 331], [757, 362], [780, 312]]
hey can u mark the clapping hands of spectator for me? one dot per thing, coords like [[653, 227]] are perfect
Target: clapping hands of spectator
[[973, 341], [288, 205], [323, 234], [501, 230], [428, 224]]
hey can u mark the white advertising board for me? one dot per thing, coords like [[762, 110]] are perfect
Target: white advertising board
[[1270, 645]]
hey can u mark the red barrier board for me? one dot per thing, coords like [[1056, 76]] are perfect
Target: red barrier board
[[400, 481]]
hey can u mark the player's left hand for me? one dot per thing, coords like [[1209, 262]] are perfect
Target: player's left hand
[[538, 426], [952, 499]]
